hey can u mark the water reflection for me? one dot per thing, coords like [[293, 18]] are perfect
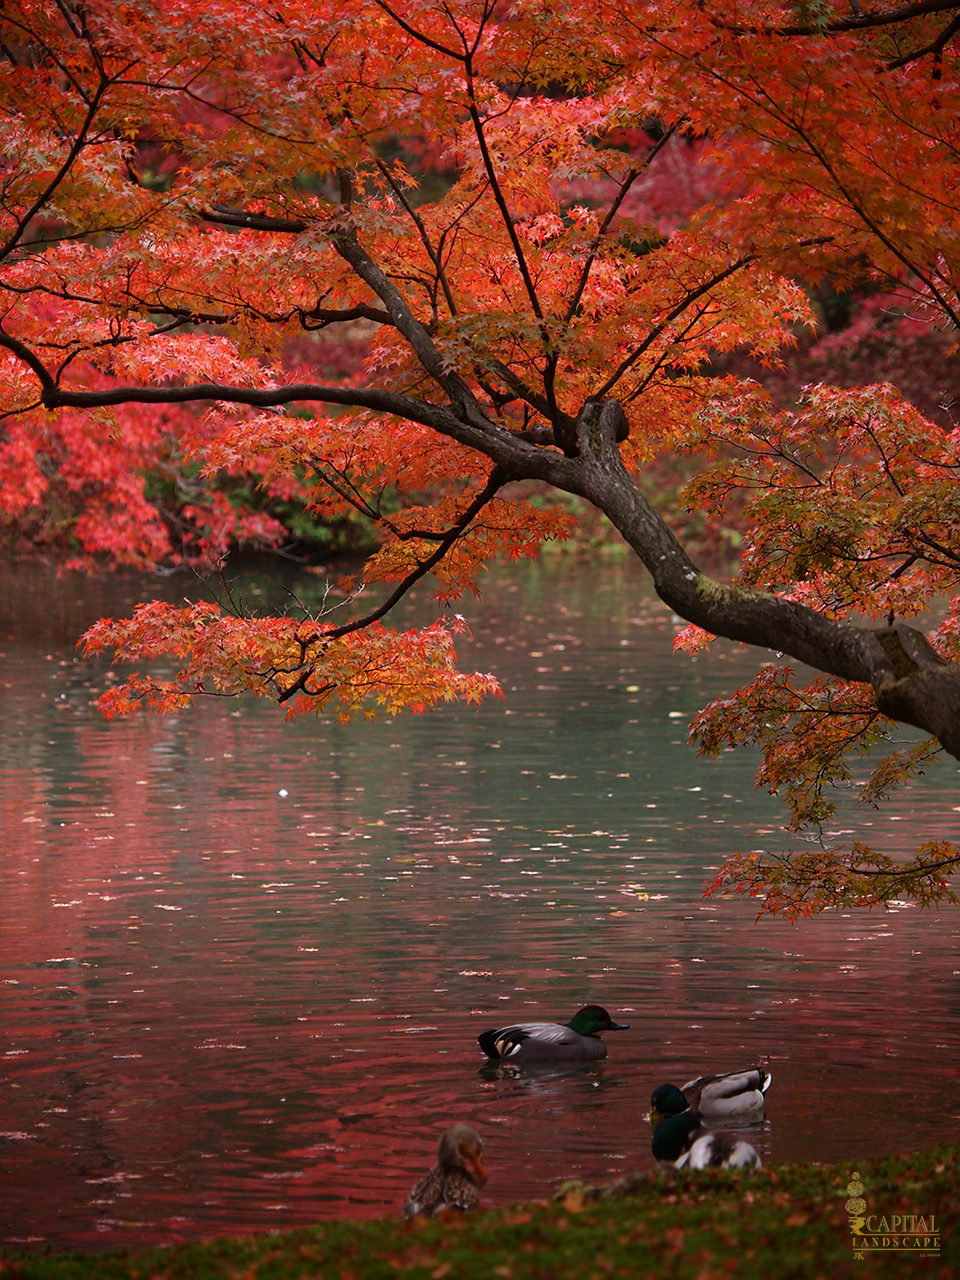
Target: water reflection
[[244, 963]]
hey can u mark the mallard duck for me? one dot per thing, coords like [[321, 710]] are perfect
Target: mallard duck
[[575, 1041], [450, 1184], [680, 1138], [735, 1095], [668, 1100], [673, 1135]]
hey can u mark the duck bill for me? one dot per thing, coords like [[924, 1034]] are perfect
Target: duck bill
[[656, 1116], [478, 1169], [619, 1026]]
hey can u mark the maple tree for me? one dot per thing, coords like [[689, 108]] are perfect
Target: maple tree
[[195, 193]]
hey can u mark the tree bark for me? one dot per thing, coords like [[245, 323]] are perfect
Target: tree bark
[[912, 683]]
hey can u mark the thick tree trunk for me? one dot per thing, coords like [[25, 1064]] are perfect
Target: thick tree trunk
[[912, 683]]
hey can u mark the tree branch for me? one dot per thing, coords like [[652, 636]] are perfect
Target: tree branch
[[23, 352], [911, 681], [668, 319], [418, 35], [425, 240], [885, 18], [350, 249], [935, 46], [76, 147], [328, 316], [611, 213], [495, 481], [230, 217]]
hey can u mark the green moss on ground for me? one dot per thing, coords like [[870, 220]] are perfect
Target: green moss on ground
[[789, 1222]]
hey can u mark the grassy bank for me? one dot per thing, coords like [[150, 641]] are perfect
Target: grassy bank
[[784, 1222]]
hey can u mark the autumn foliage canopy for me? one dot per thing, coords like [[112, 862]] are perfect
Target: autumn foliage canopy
[[408, 262]]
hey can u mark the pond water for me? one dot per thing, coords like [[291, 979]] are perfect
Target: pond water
[[243, 963]]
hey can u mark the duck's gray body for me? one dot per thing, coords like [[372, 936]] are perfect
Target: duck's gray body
[[544, 1042], [737, 1095], [551, 1041]]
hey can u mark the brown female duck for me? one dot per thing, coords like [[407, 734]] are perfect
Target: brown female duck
[[450, 1184]]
